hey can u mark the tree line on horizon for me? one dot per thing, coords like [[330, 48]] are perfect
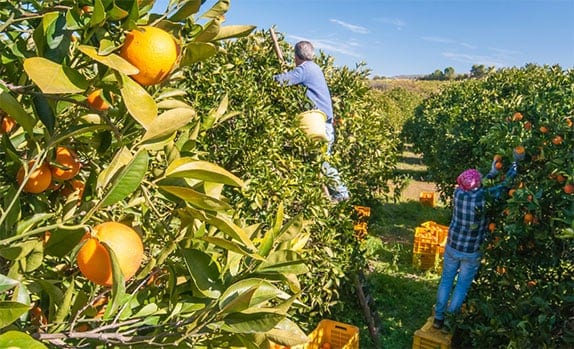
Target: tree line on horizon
[[476, 71]]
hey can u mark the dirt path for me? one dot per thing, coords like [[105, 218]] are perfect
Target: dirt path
[[412, 164]]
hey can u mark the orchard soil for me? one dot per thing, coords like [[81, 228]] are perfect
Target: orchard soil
[[402, 296]]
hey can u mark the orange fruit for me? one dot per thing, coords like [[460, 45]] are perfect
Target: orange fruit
[[497, 158], [560, 178], [543, 129], [96, 101], [67, 164], [153, 51], [73, 186], [517, 116], [528, 218], [94, 260], [492, 227], [39, 180], [527, 125], [7, 124], [519, 149], [557, 140], [569, 122], [501, 270], [326, 345], [498, 165], [569, 188], [511, 192]]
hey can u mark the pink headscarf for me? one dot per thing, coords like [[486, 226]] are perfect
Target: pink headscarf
[[469, 179]]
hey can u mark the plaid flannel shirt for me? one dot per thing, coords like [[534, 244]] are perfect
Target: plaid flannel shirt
[[469, 224]]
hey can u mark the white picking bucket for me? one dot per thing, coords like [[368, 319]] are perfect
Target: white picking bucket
[[312, 122]]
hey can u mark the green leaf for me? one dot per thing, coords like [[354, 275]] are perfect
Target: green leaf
[[187, 9], [11, 106], [61, 242], [77, 130], [168, 123], [26, 224], [7, 283], [128, 180], [118, 286], [196, 52], [261, 321], [225, 224], [288, 333], [66, 305], [209, 32], [11, 311], [234, 31], [217, 10], [98, 15], [19, 340], [249, 293], [202, 170], [121, 159], [140, 104], [204, 272], [283, 261], [112, 60], [269, 237], [196, 198], [54, 78], [230, 246]]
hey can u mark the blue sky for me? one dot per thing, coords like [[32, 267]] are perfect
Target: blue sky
[[404, 37]]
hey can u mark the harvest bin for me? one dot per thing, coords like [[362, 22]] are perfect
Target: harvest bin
[[428, 247], [427, 198], [429, 338], [339, 335]]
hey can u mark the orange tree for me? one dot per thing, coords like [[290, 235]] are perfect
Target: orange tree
[[522, 294], [265, 147], [211, 275]]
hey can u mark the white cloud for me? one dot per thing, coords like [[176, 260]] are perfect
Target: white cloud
[[394, 21], [475, 59], [352, 27], [349, 49], [438, 39]]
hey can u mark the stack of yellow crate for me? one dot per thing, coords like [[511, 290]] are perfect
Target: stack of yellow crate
[[360, 227], [428, 247]]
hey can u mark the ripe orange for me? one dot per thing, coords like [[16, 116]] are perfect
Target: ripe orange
[[74, 185], [492, 227], [153, 51], [517, 116], [39, 180], [7, 124], [569, 188], [67, 164], [498, 165], [527, 125], [569, 122], [528, 218], [519, 149], [96, 101], [511, 192], [326, 345], [497, 158], [93, 258], [543, 129], [557, 140]]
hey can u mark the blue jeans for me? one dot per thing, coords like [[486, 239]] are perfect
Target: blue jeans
[[455, 262], [337, 188]]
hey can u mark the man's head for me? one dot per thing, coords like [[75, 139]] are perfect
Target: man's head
[[469, 179], [304, 51]]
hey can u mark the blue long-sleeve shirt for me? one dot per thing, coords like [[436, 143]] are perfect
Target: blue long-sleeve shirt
[[310, 75], [469, 224]]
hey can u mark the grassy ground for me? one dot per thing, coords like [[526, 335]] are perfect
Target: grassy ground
[[402, 296]]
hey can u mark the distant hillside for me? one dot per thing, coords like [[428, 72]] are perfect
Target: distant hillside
[[422, 88]]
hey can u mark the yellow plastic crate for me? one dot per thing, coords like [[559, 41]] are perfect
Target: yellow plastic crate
[[427, 198], [428, 246], [429, 338], [338, 335]]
